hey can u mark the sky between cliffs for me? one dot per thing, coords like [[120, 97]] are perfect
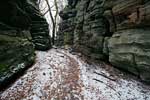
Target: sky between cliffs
[[43, 7]]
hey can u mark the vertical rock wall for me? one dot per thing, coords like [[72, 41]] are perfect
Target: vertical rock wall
[[113, 30], [22, 30]]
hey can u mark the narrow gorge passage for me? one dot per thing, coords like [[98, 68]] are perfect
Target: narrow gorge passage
[[60, 75]]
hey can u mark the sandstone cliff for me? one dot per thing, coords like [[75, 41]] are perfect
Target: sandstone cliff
[[112, 30], [22, 29]]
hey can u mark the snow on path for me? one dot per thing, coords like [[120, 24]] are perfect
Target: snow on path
[[59, 75]]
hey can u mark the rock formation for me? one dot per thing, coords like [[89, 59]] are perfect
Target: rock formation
[[112, 30], [22, 28]]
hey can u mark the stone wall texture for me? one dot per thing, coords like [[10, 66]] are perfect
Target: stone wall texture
[[22, 30], [117, 31]]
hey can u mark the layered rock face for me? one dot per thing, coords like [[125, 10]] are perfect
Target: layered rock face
[[113, 30], [22, 30]]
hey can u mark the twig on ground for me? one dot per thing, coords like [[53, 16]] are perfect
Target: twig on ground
[[119, 95], [104, 76]]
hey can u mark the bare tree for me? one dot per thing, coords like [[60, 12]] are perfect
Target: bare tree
[[52, 8], [56, 15], [53, 21]]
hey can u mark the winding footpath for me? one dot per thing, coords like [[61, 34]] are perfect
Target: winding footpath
[[60, 75]]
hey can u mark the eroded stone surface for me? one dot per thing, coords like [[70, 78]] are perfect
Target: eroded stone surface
[[22, 29], [104, 29]]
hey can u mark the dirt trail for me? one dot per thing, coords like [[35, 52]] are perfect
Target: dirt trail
[[59, 75]]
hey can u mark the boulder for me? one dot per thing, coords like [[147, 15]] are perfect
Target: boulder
[[130, 50]]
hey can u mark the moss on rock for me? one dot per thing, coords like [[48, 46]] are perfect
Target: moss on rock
[[15, 55]]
